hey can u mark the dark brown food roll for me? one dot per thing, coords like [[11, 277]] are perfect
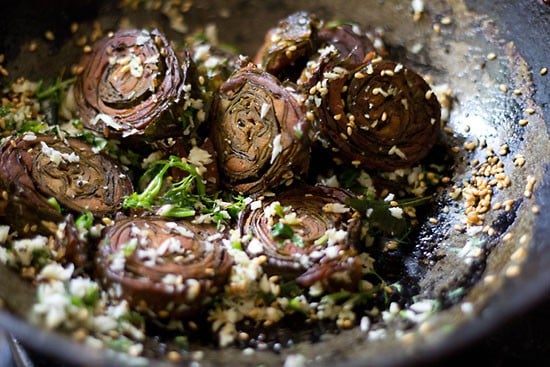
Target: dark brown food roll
[[381, 116], [133, 84], [307, 234], [260, 133], [288, 46], [352, 47], [165, 269], [36, 169]]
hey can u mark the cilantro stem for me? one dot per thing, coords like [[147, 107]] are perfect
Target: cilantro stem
[[58, 86]]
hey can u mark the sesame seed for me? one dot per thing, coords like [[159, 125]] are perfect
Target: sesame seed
[[49, 35], [107, 221], [543, 71], [519, 255], [446, 20], [523, 122], [513, 271], [491, 56], [529, 111], [173, 356], [489, 279], [503, 88], [523, 239], [458, 228], [470, 145], [503, 150]]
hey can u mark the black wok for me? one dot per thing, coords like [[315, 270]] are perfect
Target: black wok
[[504, 291]]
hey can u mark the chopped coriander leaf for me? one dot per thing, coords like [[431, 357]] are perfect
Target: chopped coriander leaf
[[33, 125], [348, 178], [85, 221], [281, 230], [53, 202], [379, 215], [129, 248], [5, 110], [279, 210], [184, 198]]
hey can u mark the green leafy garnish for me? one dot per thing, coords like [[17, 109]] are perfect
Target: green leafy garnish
[[5, 110], [85, 221], [379, 216], [184, 198], [53, 202], [281, 230], [285, 232], [180, 191]]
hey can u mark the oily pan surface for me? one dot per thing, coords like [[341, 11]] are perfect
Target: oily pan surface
[[469, 270]]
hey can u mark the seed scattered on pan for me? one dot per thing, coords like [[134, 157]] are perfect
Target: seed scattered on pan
[[529, 186], [33, 46], [543, 71], [503, 150], [529, 111], [77, 69], [446, 20], [491, 56], [81, 41], [174, 356], [523, 122], [49, 35], [470, 145], [513, 271], [503, 88], [523, 239], [489, 279], [519, 255]]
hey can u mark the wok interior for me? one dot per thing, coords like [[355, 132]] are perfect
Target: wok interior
[[471, 288]]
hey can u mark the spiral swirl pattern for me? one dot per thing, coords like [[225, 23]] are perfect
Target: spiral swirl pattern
[[162, 268]]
